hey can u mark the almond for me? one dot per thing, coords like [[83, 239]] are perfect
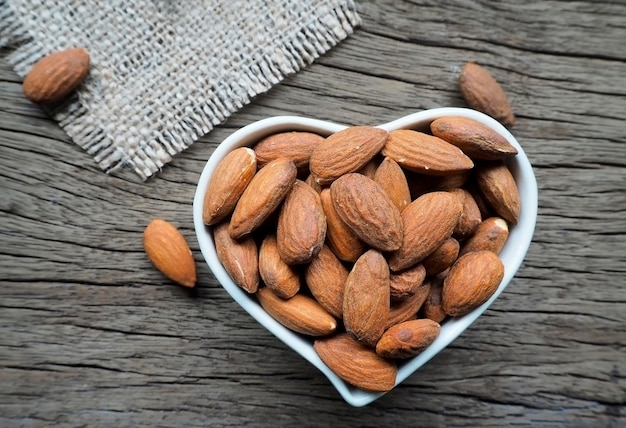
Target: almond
[[497, 185], [405, 283], [231, 177], [408, 308], [277, 275], [426, 154], [428, 221], [482, 92], [240, 257], [476, 140], [299, 313], [407, 339], [442, 258], [55, 76], [365, 207], [326, 278], [433, 306], [346, 151], [301, 225], [357, 364], [472, 280], [168, 250], [369, 170], [310, 180], [262, 196], [341, 239], [490, 235], [295, 145], [391, 178], [366, 298], [470, 214]]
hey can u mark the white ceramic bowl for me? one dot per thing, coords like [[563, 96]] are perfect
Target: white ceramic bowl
[[512, 254]]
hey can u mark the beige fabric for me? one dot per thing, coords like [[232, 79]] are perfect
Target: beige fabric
[[165, 72]]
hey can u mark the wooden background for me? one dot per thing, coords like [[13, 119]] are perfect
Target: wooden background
[[92, 335]]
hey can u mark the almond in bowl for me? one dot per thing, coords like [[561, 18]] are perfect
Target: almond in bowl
[[384, 246]]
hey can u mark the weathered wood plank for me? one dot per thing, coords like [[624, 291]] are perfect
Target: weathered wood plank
[[91, 334]]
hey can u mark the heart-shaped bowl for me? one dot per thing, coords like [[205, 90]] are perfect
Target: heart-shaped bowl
[[511, 255]]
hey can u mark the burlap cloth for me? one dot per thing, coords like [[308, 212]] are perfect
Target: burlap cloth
[[164, 72]]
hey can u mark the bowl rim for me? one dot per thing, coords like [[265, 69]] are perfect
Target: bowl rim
[[512, 254]]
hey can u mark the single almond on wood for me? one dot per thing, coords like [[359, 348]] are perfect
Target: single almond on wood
[[424, 153], [262, 196], [497, 185], [405, 283], [490, 235], [326, 278], [391, 178], [239, 257], [168, 250], [476, 140], [357, 364], [294, 145], [428, 221], [346, 151], [366, 298], [407, 308], [231, 177], [472, 280], [442, 258], [341, 238], [278, 276], [299, 313], [367, 209], [482, 92], [407, 339], [301, 225], [55, 76], [470, 215]]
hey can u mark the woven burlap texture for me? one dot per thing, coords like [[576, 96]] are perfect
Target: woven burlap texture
[[163, 73]]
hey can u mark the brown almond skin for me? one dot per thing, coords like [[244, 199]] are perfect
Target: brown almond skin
[[294, 145], [476, 140], [54, 77], [278, 276], [407, 339], [424, 153], [262, 196], [470, 215], [405, 283], [433, 306], [231, 177], [366, 298], [369, 170], [346, 151], [326, 278], [497, 185], [168, 250], [391, 178], [299, 313], [408, 308], [341, 239], [472, 280], [356, 364], [310, 180], [428, 221], [240, 257], [301, 225], [490, 235], [367, 209], [482, 92], [442, 258]]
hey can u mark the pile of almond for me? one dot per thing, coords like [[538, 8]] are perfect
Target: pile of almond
[[366, 240]]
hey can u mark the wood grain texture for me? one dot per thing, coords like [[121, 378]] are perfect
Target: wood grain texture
[[92, 335]]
